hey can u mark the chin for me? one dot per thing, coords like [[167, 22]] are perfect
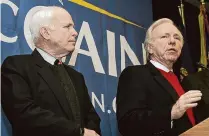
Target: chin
[[173, 57], [173, 60], [71, 49]]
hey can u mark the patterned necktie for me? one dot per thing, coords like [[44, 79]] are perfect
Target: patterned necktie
[[70, 93]]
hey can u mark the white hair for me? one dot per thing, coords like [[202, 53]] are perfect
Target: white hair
[[41, 18], [149, 39]]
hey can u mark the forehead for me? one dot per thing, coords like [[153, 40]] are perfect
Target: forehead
[[63, 17], [165, 28]]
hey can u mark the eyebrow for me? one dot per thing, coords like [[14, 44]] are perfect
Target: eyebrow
[[69, 24], [176, 34]]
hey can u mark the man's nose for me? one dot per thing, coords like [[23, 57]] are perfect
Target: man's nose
[[75, 33], [172, 41]]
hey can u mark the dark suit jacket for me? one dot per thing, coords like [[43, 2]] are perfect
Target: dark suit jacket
[[199, 81], [144, 102], [34, 100]]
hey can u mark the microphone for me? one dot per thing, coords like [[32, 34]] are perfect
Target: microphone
[[200, 65]]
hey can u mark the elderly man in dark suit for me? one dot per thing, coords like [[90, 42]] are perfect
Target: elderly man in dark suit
[[150, 99], [200, 81], [40, 95]]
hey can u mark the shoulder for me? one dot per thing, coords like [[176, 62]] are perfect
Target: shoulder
[[135, 73], [203, 73], [192, 81], [17, 65], [16, 60], [194, 77], [135, 70]]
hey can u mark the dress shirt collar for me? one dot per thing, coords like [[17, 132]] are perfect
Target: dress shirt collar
[[47, 57], [160, 66]]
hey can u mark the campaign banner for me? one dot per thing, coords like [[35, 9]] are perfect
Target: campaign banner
[[110, 37]]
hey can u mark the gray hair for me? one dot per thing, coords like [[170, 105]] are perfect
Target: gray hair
[[41, 18], [149, 39]]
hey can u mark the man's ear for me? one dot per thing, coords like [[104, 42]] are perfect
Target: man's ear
[[45, 32], [150, 48]]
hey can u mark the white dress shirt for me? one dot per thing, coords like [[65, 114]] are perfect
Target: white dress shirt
[[160, 66], [47, 57]]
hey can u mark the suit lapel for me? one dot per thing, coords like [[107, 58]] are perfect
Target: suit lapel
[[53, 83], [163, 82]]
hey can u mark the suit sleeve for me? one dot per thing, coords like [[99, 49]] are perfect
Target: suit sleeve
[[92, 120], [196, 82], [22, 111], [134, 115]]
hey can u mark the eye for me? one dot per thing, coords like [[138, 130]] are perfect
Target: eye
[[177, 37], [68, 26], [164, 36]]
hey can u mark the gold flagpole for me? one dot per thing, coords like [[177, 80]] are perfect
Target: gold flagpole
[[201, 17], [181, 12]]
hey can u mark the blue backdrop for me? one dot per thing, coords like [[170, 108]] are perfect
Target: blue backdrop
[[111, 33]]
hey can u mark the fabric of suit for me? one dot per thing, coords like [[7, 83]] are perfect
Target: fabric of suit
[[34, 101], [144, 102], [199, 81]]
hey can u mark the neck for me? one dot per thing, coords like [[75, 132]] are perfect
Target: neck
[[52, 51], [167, 64]]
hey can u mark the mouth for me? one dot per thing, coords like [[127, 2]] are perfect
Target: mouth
[[172, 50], [72, 41]]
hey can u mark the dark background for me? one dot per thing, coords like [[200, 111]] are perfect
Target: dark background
[[169, 9]]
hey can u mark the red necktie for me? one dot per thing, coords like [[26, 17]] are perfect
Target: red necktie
[[173, 80]]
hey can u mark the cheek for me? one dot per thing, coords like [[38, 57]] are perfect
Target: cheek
[[63, 35], [57, 36], [162, 46], [159, 47], [179, 48], [162, 49], [64, 38]]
